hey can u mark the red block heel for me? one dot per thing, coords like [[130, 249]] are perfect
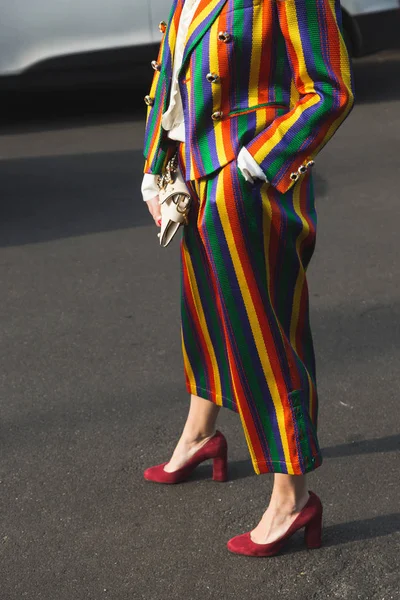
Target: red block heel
[[220, 467], [216, 448], [310, 518], [313, 532]]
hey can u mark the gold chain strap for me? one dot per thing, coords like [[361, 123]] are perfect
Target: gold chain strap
[[170, 173]]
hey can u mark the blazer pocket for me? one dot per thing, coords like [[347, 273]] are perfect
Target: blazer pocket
[[248, 109]]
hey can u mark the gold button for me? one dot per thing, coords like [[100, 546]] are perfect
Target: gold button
[[156, 66], [302, 169], [212, 77], [294, 176], [217, 115], [310, 164], [149, 100], [224, 36], [162, 26]]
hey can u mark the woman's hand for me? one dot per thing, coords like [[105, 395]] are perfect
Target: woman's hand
[[154, 209]]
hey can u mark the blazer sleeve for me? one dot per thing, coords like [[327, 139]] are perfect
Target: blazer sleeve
[[312, 30]]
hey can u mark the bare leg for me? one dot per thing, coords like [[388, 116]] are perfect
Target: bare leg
[[199, 427], [288, 498]]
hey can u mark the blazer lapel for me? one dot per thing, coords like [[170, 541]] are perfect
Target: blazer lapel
[[171, 32], [205, 15]]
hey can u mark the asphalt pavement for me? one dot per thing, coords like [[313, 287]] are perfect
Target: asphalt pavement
[[91, 381]]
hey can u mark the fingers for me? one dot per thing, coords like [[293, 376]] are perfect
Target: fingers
[[154, 209], [157, 217]]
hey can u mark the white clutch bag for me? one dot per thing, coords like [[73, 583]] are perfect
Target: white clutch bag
[[174, 199]]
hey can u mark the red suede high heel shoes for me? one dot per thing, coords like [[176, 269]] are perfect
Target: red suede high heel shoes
[[310, 518], [216, 448]]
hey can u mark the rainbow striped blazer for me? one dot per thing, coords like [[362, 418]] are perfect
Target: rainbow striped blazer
[[271, 75]]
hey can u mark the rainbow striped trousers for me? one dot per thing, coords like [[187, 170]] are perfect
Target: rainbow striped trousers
[[246, 335]]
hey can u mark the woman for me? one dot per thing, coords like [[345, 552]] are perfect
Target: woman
[[249, 91]]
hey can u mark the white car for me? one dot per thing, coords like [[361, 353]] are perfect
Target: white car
[[91, 37], [43, 39]]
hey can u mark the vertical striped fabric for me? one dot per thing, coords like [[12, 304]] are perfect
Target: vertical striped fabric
[[246, 335], [284, 85]]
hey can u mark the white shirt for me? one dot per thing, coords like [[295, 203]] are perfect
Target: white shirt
[[173, 119]]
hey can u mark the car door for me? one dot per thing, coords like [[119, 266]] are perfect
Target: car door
[[38, 30]]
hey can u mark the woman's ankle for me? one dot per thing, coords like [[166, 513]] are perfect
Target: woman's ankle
[[290, 493], [193, 438], [291, 504]]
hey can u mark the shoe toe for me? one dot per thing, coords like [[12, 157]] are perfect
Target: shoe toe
[[155, 473], [240, 544]]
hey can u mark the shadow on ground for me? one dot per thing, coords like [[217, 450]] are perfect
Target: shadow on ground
[[377, 79], [52, 197]]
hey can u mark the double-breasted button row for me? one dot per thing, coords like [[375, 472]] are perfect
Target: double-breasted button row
[[301, 170], [214, 78], [224, 37]]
